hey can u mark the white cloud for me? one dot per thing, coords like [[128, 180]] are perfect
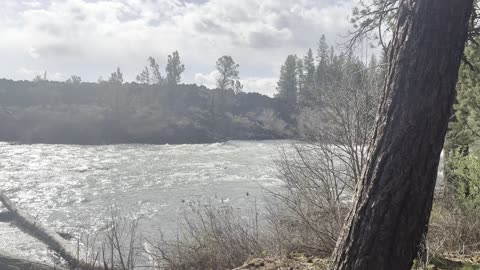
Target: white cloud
[[265, 86], [29, 74], [91, 38], [209, 79], [33, 53]]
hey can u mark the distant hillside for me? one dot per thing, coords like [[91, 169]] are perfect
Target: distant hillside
[[110, 112]]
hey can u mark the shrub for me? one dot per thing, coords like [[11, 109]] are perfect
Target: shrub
[[211, 237]]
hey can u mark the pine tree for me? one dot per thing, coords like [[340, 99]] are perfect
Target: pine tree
[[467, 109], [393, 199], [238, 87], [74, 79], [300, 78], [334, 71], [287, 85], [464, 130], [116, 77], [174, 69], [155, 74], [323, 58], [228, 70], [306, 94], [144, 77]]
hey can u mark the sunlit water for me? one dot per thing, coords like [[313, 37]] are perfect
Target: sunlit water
[[71, 186], [68, 187]]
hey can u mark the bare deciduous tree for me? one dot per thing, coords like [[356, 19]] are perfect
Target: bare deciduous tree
[[319, 171]]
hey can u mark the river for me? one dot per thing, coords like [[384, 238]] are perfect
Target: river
[[71, 186]]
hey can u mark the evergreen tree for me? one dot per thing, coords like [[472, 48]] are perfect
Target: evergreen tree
[[300, 78], [151, 74], [174, 69], [74, 79], [462, 146], [287, 85], [144, 77], [307, 92], [238, 87], [467, 109], [323, 50], [334, 70], [155, 75], [228, 70], [37, 78], [322, 67], [116, 77], [393, 199], [352, 66], [41, 78]]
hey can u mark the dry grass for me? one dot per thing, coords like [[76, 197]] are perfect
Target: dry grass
[[294, 261], [210, 238], [116, 247], [454, 228]]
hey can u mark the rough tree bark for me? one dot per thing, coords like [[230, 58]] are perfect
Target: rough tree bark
[[394, 197]]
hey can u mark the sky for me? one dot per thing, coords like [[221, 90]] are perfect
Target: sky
[[92, 38]]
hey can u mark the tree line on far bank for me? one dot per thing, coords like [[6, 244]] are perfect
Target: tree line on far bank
[[158, 108], [155, 109]]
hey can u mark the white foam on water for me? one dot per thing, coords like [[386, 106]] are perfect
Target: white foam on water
[[71, 186]]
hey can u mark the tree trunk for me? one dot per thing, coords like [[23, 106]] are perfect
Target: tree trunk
[[28, 224], [394, 197], [14, 263]]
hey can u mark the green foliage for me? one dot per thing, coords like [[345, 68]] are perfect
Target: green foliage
[[470, 267], [238, 87], [462, 145], [151, 73], [306, 93], [463, 130], [116, 77], [459, 218], [323, 51], [156, 76], [103, 113], [174, 69], [287, 85], [467, 170], [39, 78], [74, 79], [144, 76], [228, 70], [300, 76], [467, 109], [321, 74], [374, 20], [335, 84]]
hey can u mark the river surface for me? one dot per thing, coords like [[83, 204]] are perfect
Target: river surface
[[72, 186]]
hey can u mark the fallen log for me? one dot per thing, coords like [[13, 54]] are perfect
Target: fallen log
[[8, 262], [27, 224], [6, 216]]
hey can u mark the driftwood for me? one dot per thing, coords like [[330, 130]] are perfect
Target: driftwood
[[27, 224], [8, 262], [6, 216]]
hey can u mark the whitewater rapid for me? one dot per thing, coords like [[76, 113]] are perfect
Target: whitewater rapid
[[68, 187]]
